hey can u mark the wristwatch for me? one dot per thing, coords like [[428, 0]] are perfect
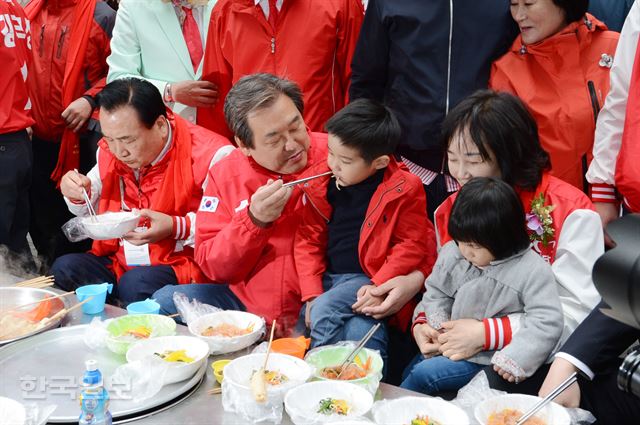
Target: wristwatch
[[168, 95]]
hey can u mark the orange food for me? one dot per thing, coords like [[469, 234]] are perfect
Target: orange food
[[227, 330], [351, 371], [510, 417], [42, 310]]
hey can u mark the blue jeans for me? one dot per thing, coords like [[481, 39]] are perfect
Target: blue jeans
[[74, 270], [215, 294], [333, 320], [438, 374]]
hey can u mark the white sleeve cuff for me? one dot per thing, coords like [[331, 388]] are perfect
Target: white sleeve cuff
[[577, 363]]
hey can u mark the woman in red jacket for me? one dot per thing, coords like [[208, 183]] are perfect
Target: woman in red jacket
[[559, 66]]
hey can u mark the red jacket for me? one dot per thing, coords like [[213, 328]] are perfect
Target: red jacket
[[52, 31], [172, 186], [563, 80], [15, 57], [312, 44], [256, 262], [396, 237]]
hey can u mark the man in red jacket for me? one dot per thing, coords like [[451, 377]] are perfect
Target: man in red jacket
[[70, 46], [15, 118], [153, 160], [309, 42]]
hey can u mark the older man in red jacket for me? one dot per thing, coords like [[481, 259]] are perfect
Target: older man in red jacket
[[153, 160], [309, 42]]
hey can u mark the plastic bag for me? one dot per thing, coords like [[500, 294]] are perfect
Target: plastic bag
[[110, 225], [95, 336], [139, 380], [38, 414], [333, 355], [235, 400], [191, 310], [74, 230], [478, 390]]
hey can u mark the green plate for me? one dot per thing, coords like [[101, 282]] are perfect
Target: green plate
[[159, 325]]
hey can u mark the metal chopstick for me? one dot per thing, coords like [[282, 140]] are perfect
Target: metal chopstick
[[295, 182], [87, 200], [357, 349], [553, 394]]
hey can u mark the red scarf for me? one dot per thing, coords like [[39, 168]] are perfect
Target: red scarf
[[627, 175], [172, 198], [69, 156]]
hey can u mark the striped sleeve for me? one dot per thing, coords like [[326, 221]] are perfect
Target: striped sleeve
[[601, 192], [181, 227], [497, 333]]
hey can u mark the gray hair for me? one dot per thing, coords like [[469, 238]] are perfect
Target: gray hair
[[254, 92]]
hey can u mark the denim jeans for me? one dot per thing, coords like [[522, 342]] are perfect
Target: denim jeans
[[215, 294], [333, 320], [438, 374]]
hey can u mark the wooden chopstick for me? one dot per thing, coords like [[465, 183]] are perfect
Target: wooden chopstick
[[266, 358], [35, 281], [217, 390], [39, 301], [64, 311]]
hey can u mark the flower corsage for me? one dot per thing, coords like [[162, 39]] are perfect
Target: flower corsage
[[539, 221]]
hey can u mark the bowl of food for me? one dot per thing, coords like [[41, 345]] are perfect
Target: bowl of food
[[255, 391], [322, 402], [110, 225], [22, 313], [228, 331], [365, 370], [418, 411], [218, 369], [126, 330], [181, 355], [508, 408]]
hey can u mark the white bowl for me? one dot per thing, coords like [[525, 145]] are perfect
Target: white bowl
[[176, 371], [403, 410], [552, 413], [222, 344], [11, 412], [301, 403], [110, 225]]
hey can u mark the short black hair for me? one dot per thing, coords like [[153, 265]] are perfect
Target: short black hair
[[252, 93], [487, 211], [140, 94], [574, 10], [501, 123], [367, 126]]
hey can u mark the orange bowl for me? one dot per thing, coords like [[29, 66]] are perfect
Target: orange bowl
[[292, 346]]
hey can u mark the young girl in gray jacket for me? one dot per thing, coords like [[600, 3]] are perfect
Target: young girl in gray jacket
[[488, 270]]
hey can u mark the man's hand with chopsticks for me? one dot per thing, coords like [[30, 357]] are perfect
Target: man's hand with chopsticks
[[161, 227], [268, 202], [559, 371], [71, 186]]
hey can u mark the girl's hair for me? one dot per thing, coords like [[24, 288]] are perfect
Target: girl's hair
[[488, 212], [574, 10], [500, 123]]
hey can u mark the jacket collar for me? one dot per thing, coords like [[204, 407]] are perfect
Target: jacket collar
[[516, 255]]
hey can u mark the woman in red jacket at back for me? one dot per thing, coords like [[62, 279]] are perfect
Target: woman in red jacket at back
[[559, 66]]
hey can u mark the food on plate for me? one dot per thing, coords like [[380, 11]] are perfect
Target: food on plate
[[348, 373], [330, 406], [258, 386], [135, 334], [273, 377], [227, 330], [423, 420], [175, 356], [14, 324], [510, 417]]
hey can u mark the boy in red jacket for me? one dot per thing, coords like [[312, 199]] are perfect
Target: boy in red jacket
[[361, 227]]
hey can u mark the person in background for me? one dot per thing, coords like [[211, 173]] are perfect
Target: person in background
[[614, 173], [153, 160], [163, 41], [15, 121], [421, 58], [559, 66], [309, 42], [493, 134], [70, 44], [488, 269], [360, 228]]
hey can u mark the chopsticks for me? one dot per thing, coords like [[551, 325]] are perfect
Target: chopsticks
[[213, 391], [64, 311], [266, 358], [553, 394], [37, 282], [295, 182], [19, 307], [356, 350], [87, 200]]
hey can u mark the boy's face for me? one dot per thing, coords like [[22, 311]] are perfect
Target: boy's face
[[347, 164], [477, 255]]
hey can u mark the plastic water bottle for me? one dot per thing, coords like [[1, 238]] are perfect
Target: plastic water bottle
[[94, 399]]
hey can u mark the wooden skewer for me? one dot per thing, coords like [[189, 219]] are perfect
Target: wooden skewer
[[266, 358], [173, 315], [217, 390], [39, 301], [35, 281], [64, 311]]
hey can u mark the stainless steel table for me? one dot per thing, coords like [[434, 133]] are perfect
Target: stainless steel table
[[200, 407]]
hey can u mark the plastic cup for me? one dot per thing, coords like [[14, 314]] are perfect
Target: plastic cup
[[292, 346], [147, 306], [99, 294]]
